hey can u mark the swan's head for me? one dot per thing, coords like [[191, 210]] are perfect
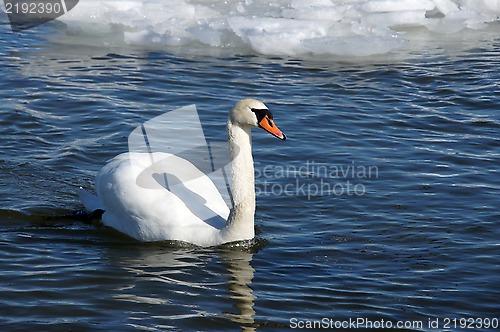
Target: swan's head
[[253, 113]]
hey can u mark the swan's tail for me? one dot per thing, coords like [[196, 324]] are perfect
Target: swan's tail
[[89, 200], [93, 207], [92, 211]]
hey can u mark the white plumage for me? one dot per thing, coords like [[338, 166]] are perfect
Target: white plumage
[[140, 199]]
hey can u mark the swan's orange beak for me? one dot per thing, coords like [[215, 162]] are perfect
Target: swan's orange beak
[[268, 125]]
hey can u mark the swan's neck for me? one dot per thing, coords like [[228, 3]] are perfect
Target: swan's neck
[[240, 224]]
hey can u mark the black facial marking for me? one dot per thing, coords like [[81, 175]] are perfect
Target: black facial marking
[[261, 113]]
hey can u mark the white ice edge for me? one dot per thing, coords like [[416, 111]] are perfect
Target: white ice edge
[[279, 27]]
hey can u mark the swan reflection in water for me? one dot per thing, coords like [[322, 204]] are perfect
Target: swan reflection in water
[[187, 288]]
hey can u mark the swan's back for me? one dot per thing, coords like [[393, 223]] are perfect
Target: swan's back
[[159, 196]]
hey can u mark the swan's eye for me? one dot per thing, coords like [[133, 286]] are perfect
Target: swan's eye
[[261, 113]]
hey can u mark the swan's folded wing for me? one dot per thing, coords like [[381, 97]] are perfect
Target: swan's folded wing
[[156, 197]]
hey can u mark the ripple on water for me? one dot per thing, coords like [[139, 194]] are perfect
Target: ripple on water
[[419, 242]]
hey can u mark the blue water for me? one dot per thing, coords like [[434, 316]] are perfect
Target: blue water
[[390, 213]]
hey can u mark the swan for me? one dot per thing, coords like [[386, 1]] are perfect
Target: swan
[[152, 212]]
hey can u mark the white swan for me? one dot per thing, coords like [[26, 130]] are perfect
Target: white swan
[[154, 213]]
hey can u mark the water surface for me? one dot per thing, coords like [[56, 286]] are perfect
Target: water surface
[[416, 141]]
